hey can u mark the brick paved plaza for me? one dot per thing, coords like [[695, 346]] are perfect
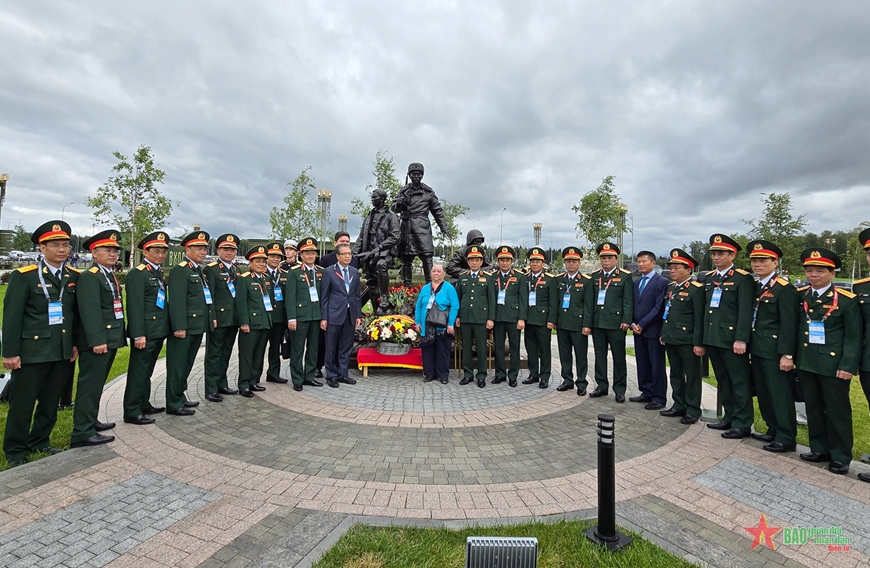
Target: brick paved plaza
[[275, 480]]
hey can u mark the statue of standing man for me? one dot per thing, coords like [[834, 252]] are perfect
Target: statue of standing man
[[374, 249], [413, 203]]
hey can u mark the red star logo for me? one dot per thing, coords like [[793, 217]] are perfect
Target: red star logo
[[762, 531]]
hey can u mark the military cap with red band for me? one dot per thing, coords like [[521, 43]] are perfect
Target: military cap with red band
[[256, 252], [51, 231], [156, 239], [820, 257], [505, 251], [572, 252], [228, 240], [196, 238], [275, 248], [607, 248], [474, 251], [679, 256], [308, 243], [537, 253], [764, 249], [864, 239], [719, 241], [107, 238]]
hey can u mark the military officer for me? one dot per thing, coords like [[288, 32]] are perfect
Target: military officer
[[729, 300], [39, 314], [682, 336], [221, 278], [276, 280], [573, 291], [542, 318], [772, 347], [290, 253], [862, 289], [613, 309], [511, 311], [254, 310], [828, 353], [147, 327], [190, 316], [476, 310], [101, 334], [302, 304]]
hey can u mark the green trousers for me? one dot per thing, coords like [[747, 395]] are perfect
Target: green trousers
[[180, 355], [685, 379], [252, 351], [137, 393], [500, 331], [218, 348], [476, 333], [93, 372], [303, 351], [775, 399], [615, 340], [829, 415], [539, 350], [39, 385], [276, 335], [733, 377], [573, 350]]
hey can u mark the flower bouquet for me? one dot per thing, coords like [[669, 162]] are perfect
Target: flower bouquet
[[394, 334]]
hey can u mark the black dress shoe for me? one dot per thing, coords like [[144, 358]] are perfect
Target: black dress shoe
[[766, 438], [191, 403], [670, 412], [688, 419], [778, 448], [653, 405], [332, 383], [346, 380], [543, 384], [641, 398], [297, 388], [247, 393], [465, 381], [498, 380], [581, 392], [620, 398], [94, 440], [154, 410], [140, 420], [481, 383], [103, 426], [865, 477], [280, 380], [312, 383], [318, 374], [257, 388], [428, 379], [735, 434], [512, 383], [719, 425], [183, 411], [813, 457], [214, 397], [49, 450], [16, 463], [227, 391], [838, 468], [564, 387], [531, 380], [597, 393], [445, 380]]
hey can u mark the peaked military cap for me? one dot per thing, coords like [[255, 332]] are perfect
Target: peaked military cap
[[505, 251], [275, 248], [536, 253], [762, 249], [415, 167], [291, 244], [679, 256], [572, 252], [155, 239], [820, 257], [51, 231], [228, 240], [718, 241], [606, 248], [864, 239], [308, 243], [107, 238], [256, 252], [474, 251], [196, 238]]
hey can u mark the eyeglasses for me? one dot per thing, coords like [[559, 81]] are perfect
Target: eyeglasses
[[345, 253]]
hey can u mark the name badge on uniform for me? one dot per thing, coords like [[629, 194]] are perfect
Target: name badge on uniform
[[533, 298], [754, 317], [119, 309], [817, 332], [55, 313], [232, 287], [716, 298], [667, 309], [602, 294], [501, 295], [161, 299], [312, 293], [207, 293], [566, 300], [267, 303], [279, 294]]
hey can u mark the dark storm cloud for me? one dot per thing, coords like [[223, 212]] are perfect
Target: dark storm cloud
[[695, 108]]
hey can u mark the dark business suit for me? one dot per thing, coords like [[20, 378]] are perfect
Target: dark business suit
[[649, 306], [340, 306], [326, 261]]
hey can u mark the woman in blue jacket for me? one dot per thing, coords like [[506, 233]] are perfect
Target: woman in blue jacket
[[435, 342]]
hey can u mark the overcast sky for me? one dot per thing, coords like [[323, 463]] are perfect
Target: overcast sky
[[696, 108]]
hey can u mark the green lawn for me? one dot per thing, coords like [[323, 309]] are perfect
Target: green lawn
[[561, 545]]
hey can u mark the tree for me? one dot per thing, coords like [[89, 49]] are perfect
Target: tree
[[779, 226], [133, 189], [452, 211], [298, 218], [854, 259], [601, 214], [21, 239], [385, 179]]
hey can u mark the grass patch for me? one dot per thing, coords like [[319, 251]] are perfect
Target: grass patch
[[561, 545]]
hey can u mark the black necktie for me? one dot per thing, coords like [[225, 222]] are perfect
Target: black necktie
[[815, 295]]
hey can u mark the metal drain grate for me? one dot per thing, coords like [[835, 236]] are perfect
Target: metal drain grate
[[501, 552]]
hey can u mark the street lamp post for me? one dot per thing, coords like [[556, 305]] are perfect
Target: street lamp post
[[500, 227], [3, 179], [63, 209]]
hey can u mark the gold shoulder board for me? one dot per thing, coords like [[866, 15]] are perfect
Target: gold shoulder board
[[213, 263], [93, 269], [143, 267], [782, 281], [846, 293], [698, 284], [862, 281], [27, 268], [245, 274], [71, 269], [740, 271], [802, 288], [183, 263]]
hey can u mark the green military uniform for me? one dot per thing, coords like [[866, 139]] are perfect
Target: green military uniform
[[724, 325], [774, 335], [254, 309], [829, 410], [146, 317], [221, 280], [682, 331], [45, 346], [188, 312], [476, 307], [542, 311], [574, 297], [276, 281], [303, 306], [101, 322], [511, 307], [616, 309]]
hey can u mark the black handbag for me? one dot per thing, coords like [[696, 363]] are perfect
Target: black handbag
[[435, 316]]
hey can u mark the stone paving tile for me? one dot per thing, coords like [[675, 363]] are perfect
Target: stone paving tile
[[24, 478]]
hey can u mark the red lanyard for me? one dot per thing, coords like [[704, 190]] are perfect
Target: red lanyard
[[730, 272], [830, 310], [305, 274], [258, 279], [507, 280], [538, 281], [609, 280]]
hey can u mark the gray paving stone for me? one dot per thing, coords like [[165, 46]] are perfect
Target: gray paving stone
[[28, 476]]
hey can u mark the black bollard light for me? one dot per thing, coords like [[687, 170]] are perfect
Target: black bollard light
[[605, 532]]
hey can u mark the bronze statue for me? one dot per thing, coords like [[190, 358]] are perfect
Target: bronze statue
[[457, 263], [413, 203], [374, 250]]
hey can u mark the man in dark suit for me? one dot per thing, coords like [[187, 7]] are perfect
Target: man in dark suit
[[341, 313], [325, 261], [649, 305]]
